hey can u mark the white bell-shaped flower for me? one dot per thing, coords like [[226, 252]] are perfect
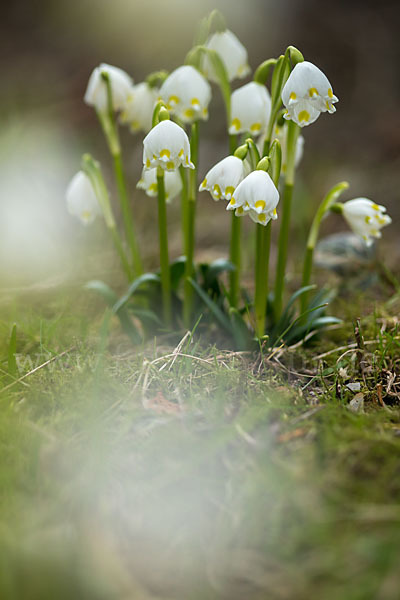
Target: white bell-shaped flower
[[250, 109], [187, 94], [81, 199], [307, 93], [365, 218], [166, 146], [257, 196], [232, 53], [139, 107], [224, 177], [280, 133], [96, 91], [172, 183]]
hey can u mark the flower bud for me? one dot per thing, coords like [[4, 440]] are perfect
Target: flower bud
[[81, 199]]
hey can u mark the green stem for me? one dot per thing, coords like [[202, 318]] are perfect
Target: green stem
[[93, 170], [184, 203], [235, 242], [307, 268], [126, 215], [234, 257], [190, 227], [120, 250], [263, 245], [283, 241], [164, 255], [268, 136], [282, 249], [328, 203], [110, 129]]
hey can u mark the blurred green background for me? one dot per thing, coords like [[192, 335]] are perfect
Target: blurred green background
[[50, 48]]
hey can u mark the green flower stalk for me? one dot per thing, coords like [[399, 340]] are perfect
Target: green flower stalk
[[91, 168], [167, 148], [187, 94], [305, 94], [184, 206], [221, 181], [258, 197], [107, 91], [283, 241], [234, 243], [326, 205], [164, 254], [263, 244], [221, 57], [190, 215]]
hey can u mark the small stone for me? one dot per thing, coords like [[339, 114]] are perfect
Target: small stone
[[354, 387], [345, 254], [356, 405]]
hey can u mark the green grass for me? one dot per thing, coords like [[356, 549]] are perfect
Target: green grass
[[186, 472]]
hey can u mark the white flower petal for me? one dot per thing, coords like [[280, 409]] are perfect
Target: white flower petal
[[139, 107], [222, 180], [259, 218], [81, 199], [96, 91], [365, 218], [187, 94], [303, 113], [251, 107], [307, 93], [232, 53], [257, 195], [172, 183], [167, 146]]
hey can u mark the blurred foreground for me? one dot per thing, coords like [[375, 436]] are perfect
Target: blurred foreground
[[186, 472]]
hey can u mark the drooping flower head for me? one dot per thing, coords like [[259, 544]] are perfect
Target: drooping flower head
[[96, 91], [250, 109], [172, 183], [280, 133], [365, 218], [307, 93], [187, 94], [233, 55], [166, 146], [81, 199], [139, 106], [256, 196], [224, 177]]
